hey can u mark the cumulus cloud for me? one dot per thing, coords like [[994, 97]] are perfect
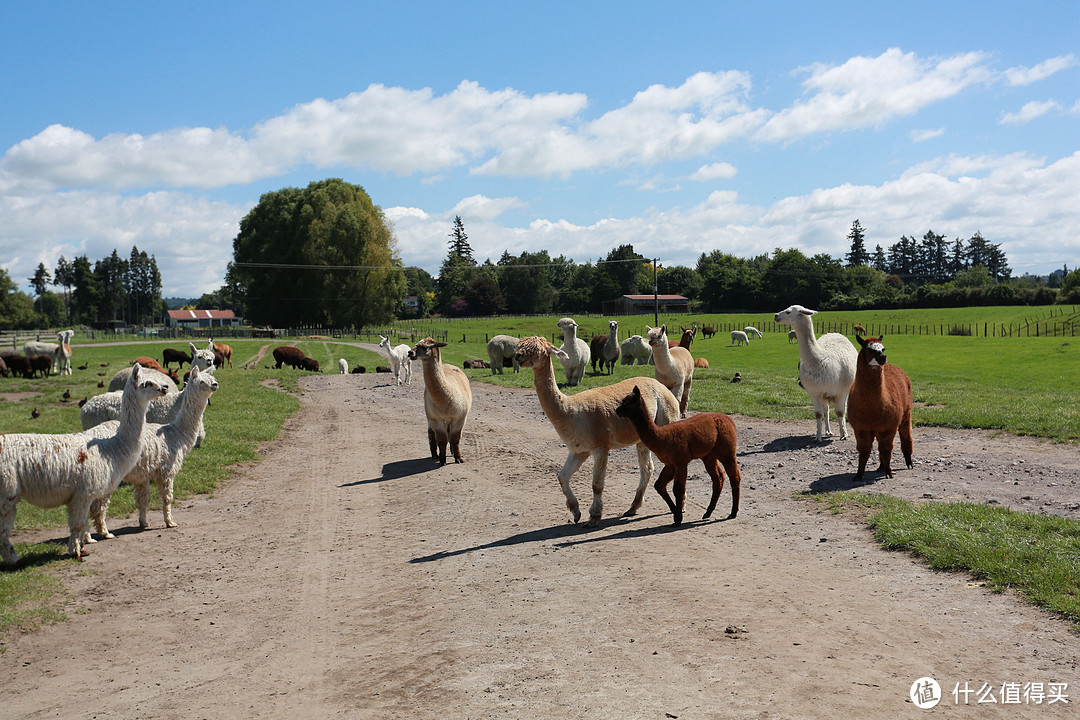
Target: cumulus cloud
[[479, 207], [715, 171], [866, 92], [1026, 75], [1029, 112]]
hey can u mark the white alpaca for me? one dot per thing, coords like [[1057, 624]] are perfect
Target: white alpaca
[[400, 362], [73, 469], [587, 423], [751, 330], [164, 448], [63, 353], [738, 337], [826, 367], [674, 366], [343, 366], [39, 348], [635, 348], [499, 348], [447, 400], [792, 337], [576, 351]]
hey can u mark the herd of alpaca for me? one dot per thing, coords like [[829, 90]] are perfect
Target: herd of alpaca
[[144, 431]]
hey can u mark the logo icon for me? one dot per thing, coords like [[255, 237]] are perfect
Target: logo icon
[[925, 693]]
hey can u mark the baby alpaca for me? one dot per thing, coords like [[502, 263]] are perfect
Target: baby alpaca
[[447, 400], [709, 437], [879, 407]]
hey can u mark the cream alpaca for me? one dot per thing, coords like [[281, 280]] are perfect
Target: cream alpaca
[[674, 366], [575, 350], [73, 469], [447, 400], [400, 361], [587, 423], [164, 448]]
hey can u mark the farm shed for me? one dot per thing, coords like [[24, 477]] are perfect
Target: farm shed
[[643, 304]]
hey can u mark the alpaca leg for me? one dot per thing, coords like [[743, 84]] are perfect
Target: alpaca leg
[[599, 471], [432, 443], [99, 510], [841, 414], [165, 494], [666, 476], [864, 443], [684, 401], [142, 501], [439, 441], [821, 415], [731, 464], [573, 462], [712, 466], [906, 445], [455, 441], [78, 512], [645, 468], [884, 445], [7, 524], [680, 493]]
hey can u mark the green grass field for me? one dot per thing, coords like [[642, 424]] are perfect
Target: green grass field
[[1019, 385]]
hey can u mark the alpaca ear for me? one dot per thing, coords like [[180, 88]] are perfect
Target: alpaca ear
[[881, 338], [636, 392], [440, 344], [862, 343], [807, 311]]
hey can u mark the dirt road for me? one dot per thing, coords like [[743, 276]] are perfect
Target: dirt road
[[346, 575]]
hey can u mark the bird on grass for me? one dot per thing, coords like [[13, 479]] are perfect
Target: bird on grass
[[66, 395], [35, 413]]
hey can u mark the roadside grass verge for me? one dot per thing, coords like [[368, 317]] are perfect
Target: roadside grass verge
[[1038, 556]]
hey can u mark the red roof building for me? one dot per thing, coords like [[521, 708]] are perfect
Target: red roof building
[[201, 319]]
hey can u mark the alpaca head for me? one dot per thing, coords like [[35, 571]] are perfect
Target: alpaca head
[[656, 336], [631, 405], [568, 327], [427, 350], [793, 314], [203, 358], [384, 342], [613, 327], [873, 352], [533, 352], [144, 384]]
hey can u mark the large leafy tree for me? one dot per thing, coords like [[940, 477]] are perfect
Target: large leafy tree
[[143, 286], [324, 254], [526, 282], [111, 275], [16, 307]]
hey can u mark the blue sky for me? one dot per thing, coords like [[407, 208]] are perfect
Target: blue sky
[[679, 128]]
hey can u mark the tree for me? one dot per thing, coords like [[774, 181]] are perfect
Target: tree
[[456, 274], [111, 274], [857, 255], [16, 307], [87, 296], [64, 276], [526, 283], [879, 262], [324, 254], [143, 288], [40, 281], [728, 282], [679, 280], [459, 242]]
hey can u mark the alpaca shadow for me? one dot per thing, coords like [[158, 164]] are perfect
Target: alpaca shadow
[[398, 470], [795, 442], [844, 481], [530, 536], [643, 532]]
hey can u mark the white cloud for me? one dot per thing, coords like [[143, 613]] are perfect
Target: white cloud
[[918, 136], [865, 92], [716, 171], [1026, 75], [1029, 112], [479, 207]]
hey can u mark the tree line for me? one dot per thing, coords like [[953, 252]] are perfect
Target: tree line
[[326, 256]]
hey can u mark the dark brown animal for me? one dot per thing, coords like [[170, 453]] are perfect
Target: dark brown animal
[[708, 331], [359, 369], [18, 364], [709, 437], [475, 364], [310, 364], [684, 341], [879, 406], [169, 355], [286, 355], [40, 364], [382, 368]]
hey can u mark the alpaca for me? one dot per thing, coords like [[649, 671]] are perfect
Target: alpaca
[[576, 352], [708, 331], [879, 407], [447, 400], [343, 366], [33, 347], [826, 367], [674, 366], [63, 353], [751, 330], [225, 350], [739, 337], [701, 363], [635, 348], [605, 348], [400, 360], [709, 437], [499, 348], [164, 448], [792, 337], [73, 469], [587, 423]]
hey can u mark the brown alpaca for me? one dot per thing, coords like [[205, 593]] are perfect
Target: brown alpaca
[[701, 363], [879, 406], [684, 341], [709, 437]]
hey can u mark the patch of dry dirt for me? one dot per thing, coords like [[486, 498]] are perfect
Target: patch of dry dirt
[[347, 575]]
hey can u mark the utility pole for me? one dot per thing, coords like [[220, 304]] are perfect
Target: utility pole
[[655, 297]]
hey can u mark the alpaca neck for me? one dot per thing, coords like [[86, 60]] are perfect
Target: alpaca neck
[[552, 401], [132, 417], [192, 406], [807, 341], [435, 378], [647, 430], [869, 378]]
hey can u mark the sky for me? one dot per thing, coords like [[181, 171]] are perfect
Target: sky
[[679, 128]]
